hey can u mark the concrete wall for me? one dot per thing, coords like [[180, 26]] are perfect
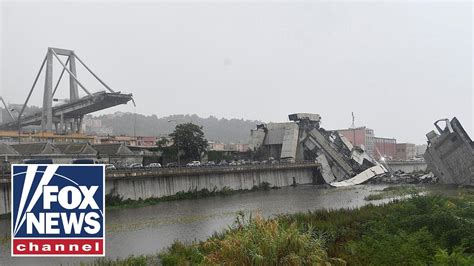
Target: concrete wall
[[136, 184], [5, 195], [155, 185], [407, 166]]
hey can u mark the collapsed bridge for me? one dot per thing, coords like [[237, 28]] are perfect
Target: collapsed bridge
[[303, 139], [66, 117]]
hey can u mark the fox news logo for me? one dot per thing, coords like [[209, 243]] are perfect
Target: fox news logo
[[58, 210]]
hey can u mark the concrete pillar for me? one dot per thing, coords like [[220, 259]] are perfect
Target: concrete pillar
[[73, 125], [79, 124], [73, 91], [62, 128], [47, 115]]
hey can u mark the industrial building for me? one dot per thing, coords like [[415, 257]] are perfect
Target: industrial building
[[360, 136], [405, 151], [116, 153], [385, 148]]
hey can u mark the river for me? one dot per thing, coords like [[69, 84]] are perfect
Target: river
[[147, 230]]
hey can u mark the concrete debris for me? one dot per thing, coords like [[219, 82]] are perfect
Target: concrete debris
[[362, 177], [303, 139], [399, 177], [325, 169], [450, 153]]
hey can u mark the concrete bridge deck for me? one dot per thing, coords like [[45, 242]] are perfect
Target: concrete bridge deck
[[88, 104]]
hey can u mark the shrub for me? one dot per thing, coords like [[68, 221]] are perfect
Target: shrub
[[253, 241]]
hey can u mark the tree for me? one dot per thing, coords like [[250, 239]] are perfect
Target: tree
[[168, 152], [189, 139]]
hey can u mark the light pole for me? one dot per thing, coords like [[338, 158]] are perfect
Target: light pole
[[177, 140]]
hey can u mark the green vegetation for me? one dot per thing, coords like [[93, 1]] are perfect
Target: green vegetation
[[417, 231], [188, 141], [5, 239], [395, 191], [223, 130], [253, 242], [129, 261], [5, 216], [114, 201]]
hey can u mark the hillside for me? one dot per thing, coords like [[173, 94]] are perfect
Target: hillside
[[223, 130]]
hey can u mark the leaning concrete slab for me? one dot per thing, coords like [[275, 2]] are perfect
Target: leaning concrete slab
[[450, 153], [362, 177], [325, 169]]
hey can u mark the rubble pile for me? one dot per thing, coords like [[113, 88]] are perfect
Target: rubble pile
[[449, 156], [400, 177], [342, 164]]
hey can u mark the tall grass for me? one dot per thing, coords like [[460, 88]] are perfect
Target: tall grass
[[253, 241], [417, 231], [129, 261]]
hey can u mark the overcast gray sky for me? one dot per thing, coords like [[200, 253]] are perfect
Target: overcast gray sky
[[398, 66]]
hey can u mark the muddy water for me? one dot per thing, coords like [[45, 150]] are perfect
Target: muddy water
[[147, 230]]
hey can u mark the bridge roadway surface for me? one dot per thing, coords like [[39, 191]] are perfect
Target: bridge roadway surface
[[85, 105]]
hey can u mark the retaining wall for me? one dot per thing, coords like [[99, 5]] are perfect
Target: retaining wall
[[155, 183]]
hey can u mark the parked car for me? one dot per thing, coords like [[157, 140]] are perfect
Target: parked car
[[38, 161], [223, 163], [135, 165], [233, 163], [210, 163], [287, 160], [255, 162], [194, 164], [154, 165], [84, 161], [172, 165], [110, 167]]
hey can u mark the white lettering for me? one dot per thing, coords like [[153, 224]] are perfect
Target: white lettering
[[88, 197], [93, 225], [38, 223], [63, 197], [48, 197], [50, 223], [87, 247], [73, 221]]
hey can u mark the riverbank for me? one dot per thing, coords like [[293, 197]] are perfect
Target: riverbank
[[116, 202], [397, 191], [154, 228], [431, 229]]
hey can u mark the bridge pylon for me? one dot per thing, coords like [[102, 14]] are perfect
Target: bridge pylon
[[68, 117]]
